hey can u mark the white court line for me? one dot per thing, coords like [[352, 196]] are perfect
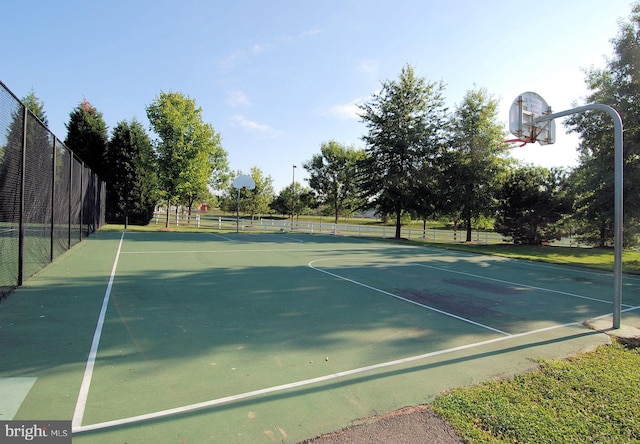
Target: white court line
[[222, 237], [294, 239], [253, 250], [78, 414], [516, 283], [292, 385], [248, 240], [469, 321], [530, 263]]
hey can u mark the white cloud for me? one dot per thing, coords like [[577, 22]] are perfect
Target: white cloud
[[302, 35], [347, 111], [368, 66], [230, 60], [237, 99], [311, 32], [260, 47], [255, 127]]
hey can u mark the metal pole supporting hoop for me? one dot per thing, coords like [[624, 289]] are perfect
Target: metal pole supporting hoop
[[531, 106], [242, 182]]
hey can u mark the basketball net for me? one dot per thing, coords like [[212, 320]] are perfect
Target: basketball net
[[522, 141]]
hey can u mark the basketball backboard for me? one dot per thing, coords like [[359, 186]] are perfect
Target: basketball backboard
[[244, 181], [524, 110]]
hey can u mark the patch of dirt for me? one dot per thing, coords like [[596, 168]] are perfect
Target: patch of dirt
[[484, 286], [408, 425], [459, 304]]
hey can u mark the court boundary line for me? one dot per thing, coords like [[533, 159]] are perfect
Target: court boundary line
[[305, 382], [428, 307], [83, 394], [221, 236], [250, 241]]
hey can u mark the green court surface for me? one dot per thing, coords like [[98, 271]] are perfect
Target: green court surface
[[191, 338]]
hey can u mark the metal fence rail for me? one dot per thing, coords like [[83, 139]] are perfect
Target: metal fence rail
[[283, 225], [49, 200]]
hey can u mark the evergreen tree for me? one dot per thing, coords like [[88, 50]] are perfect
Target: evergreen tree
[[87, 137], [532, 201], [131, 177], [36, 106]]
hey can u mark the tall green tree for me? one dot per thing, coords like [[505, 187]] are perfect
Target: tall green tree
[[189, 151], [40, 146], [294, 200], [407, 127], [131, 175], [532, 202], [333, 175], [616, 85], [262, 195], [475, 160], [87, 136], [36, 106]]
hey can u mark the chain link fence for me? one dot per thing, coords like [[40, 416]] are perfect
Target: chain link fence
[[49, 200]]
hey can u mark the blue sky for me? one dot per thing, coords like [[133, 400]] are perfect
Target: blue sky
[[277, 78]]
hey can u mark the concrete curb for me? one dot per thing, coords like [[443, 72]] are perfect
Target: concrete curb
[[626, 334]]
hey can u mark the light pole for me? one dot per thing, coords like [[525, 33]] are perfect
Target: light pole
[[293, 195]]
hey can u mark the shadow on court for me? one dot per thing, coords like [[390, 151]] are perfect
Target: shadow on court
[[193, 318]]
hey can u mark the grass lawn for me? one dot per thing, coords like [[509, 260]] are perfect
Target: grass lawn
[[600, 258], [591, 397]]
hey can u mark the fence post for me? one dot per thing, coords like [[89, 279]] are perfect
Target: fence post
[[53, 195], [70, 199], [81, 199], [23, 169]]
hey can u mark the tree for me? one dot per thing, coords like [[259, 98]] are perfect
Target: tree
[[407, 126], [616, 85], [294, 197], [473, 164], [190, 154], [261, 196], [254, 201], [333, 175], [281, 204], [87, 136], [39, 140], [532, 201], [131, 177], [36, 106]]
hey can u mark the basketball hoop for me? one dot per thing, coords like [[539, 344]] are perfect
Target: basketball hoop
[[242, 182], [526, 108], [522, 141]]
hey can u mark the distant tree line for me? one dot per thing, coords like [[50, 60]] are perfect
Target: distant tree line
[[421, 161]]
